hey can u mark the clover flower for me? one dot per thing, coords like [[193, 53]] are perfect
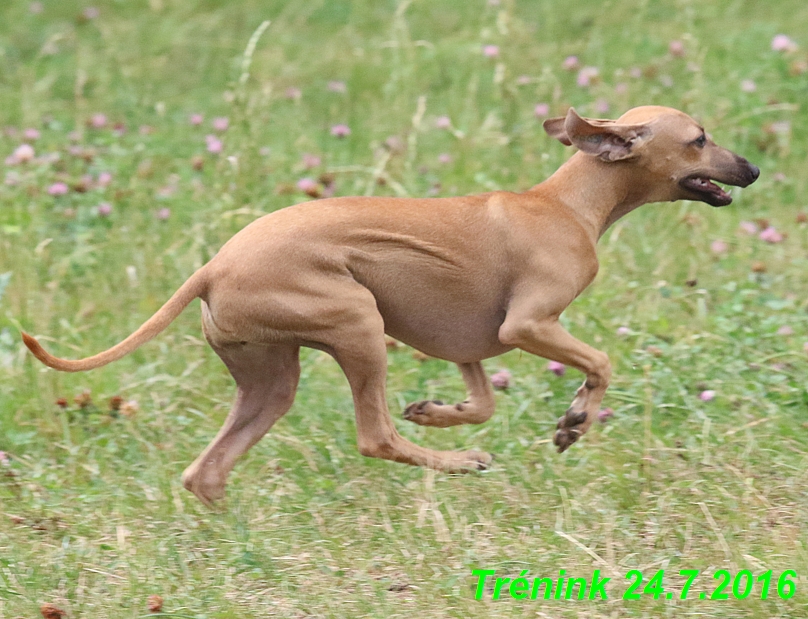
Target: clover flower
[[557, 368]]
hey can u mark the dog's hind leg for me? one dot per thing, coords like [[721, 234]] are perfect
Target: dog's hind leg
[[266, 379], [357, 343], [476, 409]]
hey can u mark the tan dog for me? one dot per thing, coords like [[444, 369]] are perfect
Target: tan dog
[[462, 279]]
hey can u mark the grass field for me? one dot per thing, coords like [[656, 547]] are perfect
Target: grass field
[[128, 193]]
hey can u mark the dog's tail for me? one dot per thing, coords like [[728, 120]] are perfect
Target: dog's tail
[[191, 289]]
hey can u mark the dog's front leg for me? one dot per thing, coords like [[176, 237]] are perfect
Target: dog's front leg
[[548, 339]]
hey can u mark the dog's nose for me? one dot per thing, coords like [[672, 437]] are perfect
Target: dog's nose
[[752, 171]]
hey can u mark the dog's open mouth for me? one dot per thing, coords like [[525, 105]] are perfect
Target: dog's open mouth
[[706, 190]]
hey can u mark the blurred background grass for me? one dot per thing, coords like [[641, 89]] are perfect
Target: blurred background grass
[[93, 516]]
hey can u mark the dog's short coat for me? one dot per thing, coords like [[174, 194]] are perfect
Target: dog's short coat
[[462, 279]]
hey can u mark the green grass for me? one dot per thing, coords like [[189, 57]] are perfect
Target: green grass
[[93, 517]]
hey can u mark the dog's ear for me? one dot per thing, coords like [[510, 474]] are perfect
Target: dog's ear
[[555, 129], [606, 139]]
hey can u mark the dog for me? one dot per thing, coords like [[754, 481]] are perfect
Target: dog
[[461, 278]]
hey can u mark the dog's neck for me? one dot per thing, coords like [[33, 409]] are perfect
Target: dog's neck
[[599, 193]]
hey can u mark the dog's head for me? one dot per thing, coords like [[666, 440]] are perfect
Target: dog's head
[[670, 150]]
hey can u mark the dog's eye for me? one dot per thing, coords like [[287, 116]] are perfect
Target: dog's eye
[[700, 141]]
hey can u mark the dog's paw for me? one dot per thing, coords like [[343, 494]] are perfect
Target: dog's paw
[[464, 462], [571, 418], [419, 412], [478, 461], [206, 485], [570, 428], [564, 438]]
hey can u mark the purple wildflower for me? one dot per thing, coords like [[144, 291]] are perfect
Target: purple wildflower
[[783, 43], [587, 76], [215, 145], [443, 122], [602, 106], [605, 414], [501, 379], [491, 51], [98, 121], [571, 63], [307, 185], [22, 154], [58, 189], [541, 110], [557, 368], [770, 235], [311, 161], [676, 48]]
